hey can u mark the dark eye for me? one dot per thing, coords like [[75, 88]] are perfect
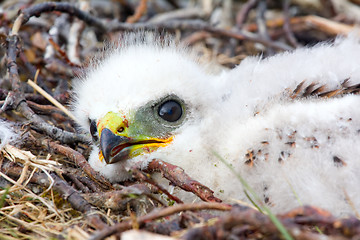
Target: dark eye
[[93, 130], [170, 111]]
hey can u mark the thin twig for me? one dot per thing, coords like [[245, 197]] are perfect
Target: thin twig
[[261, 22], [159, 213], [80, 161], [144, 177], [51, 99], [104, 26], [179, 178], [139, 12], [287, 28], [244, 12], [16, 100]]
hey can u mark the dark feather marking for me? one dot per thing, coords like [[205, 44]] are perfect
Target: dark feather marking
[[308, 90], [297, 90], [339, 162], [250, 158], [318, 90], [346, 83], [303, 90], [331, 93]]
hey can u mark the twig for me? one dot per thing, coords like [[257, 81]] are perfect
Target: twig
[[77, 201], [63, 53], [16, 100], [261, 22], [244, 12], [80, 161], [118, 199], [287, 28], [44, 109], [54, 112], [159, 213], [76, 29], [183, 13], [244, 221], [77, 182], [56, 133], [139, 12], [178, 177], [51, 99], [143, 177], [198, 25], [37, 9], [119, 26], [325, 25]]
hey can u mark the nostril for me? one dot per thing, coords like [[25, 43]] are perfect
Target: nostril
[[120, 129]]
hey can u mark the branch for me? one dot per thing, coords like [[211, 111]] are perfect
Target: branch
[[16, 99], [178, 177], [156, 214], [145, 178], [104, 26], [80, 161]]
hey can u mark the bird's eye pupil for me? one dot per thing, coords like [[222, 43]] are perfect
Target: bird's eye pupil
[[93, 130], [170, 111]]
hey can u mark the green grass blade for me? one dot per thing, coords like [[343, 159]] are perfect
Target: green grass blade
[[272, 217], [253, 202]]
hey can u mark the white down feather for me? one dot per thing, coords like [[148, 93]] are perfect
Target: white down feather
[[308, 146]]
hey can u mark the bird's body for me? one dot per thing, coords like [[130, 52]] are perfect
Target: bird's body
[[289, 124]]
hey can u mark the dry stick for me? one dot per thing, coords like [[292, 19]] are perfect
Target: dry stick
[[143, 177], [139, 12], [155, 214], [66, 192], [313, 216], [62, 53], [261, 22], [244, 12], [287, 28], [117, 200], [16, 100], [73, 178], [199, 25], [29, 96], [253, 223], [52, 131], [104, 26], [44, 109], [325, 25], [80, 161], [77, 201], [51, 99], [75, 33], [179, 178], [38, 9]]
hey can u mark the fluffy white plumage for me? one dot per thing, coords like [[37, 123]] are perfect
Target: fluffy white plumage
[[287, 147]]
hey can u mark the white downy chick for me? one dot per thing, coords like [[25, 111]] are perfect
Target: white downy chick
[[289, 124]]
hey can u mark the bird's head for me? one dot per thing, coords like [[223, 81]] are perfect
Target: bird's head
[[126, 135], [139, 99]]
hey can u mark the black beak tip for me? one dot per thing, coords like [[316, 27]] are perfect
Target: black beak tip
[[108, 140]]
